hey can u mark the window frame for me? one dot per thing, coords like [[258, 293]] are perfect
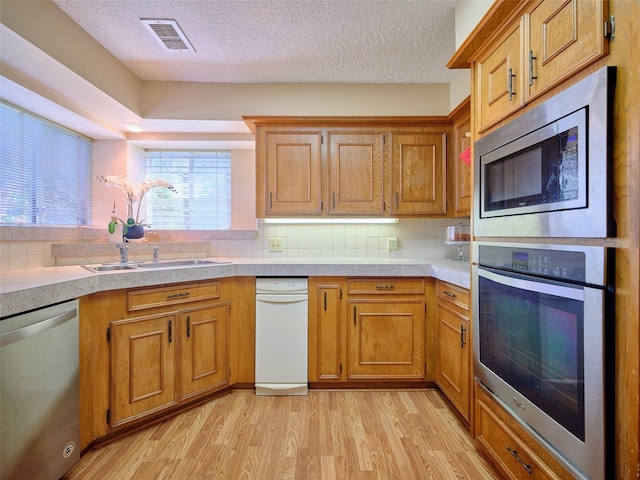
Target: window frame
[[55, 170], [186, 204]]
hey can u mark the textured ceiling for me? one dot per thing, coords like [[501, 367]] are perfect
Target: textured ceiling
[[256, 41]]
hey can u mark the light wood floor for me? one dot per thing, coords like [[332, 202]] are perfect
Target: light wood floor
[[326, 435]]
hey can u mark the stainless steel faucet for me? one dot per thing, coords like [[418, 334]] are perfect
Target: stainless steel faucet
[[124, 252], [155, 254]]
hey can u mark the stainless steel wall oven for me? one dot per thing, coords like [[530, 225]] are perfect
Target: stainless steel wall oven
[[543, 327]]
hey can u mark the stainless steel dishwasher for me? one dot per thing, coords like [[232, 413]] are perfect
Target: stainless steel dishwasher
[[39, 393], [282, 310]]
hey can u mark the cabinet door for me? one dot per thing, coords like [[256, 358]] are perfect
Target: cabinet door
[[292, 173], [142, 367], [499, 81], [203, 349], [386, 340], [461, 171], [453, 361], [418, 165], [326, 330], [355, 174], [564, 37]]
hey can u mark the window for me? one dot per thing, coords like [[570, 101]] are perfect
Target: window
[[45, 171], [202, 180]]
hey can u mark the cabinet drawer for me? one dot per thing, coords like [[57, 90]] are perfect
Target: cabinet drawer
[[496, 430], [177, 294], [398, 286], [453, 294], [511, 455]]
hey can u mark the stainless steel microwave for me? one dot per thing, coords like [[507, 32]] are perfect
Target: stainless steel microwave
[[546, 173]]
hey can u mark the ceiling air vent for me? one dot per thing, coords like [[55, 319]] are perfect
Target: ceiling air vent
[[168, 33]]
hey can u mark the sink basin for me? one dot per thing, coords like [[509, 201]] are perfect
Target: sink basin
[[109, 268], [181, 263]]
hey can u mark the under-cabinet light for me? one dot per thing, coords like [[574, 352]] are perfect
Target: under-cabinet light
[[329, 220]]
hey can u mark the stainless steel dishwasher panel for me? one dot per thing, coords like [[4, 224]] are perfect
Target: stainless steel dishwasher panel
[[39, 393], [282, 309]]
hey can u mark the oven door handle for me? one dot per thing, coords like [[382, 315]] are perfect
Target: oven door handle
[[538, 286]]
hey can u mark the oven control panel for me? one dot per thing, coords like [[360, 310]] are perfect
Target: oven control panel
[[558, 264]]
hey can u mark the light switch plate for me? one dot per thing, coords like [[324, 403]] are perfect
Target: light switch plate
[[275, 245], [392, 243]]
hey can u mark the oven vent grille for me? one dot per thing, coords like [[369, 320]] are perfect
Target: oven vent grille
[[168, 34]]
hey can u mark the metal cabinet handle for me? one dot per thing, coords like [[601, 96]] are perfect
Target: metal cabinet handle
[[524, 465], [333, 200], [354, 315], [170, 332], [449, 294], [463, 330], [396, 200], [384, 287], [531, 59], [270, 200], [173, 296], [510, 83], [188, 326], [325, 301]]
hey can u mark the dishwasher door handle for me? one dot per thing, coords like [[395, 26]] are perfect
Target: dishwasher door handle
[[279, 387], [281, 298], [36, 328]]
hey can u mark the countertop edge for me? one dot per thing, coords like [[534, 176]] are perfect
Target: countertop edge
[[26, 290]]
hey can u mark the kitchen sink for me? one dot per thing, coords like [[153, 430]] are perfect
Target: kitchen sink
[[153, 266], [181, 263], [110, 268]]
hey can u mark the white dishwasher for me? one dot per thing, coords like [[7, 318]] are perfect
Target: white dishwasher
[[282, 310]]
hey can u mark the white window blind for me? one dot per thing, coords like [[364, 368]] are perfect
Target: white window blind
[[45, 171], [202, 180]]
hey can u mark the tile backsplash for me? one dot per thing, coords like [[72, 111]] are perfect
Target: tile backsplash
[[418, 238]]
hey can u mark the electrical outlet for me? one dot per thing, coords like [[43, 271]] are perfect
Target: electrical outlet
[[275, 245], [392, 243]]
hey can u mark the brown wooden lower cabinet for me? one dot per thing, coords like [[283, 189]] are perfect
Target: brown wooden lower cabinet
[[203, 349], [159, 360], [147, 350], [367, 330], [453, 358], [386, 339], [327, 329], [142, 367], [515, 454]]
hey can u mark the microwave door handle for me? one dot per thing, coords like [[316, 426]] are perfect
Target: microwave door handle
[[531, 286]]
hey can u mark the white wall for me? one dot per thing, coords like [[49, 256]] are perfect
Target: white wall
[[460, 88], [243, 189], [206, 101], [120, 157], [418, 238], [109, 157], [80, 79], [468, 14]]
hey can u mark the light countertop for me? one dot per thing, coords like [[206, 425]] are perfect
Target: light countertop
[[23, 290]]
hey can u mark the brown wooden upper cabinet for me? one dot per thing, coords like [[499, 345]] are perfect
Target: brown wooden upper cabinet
[[498, 73], [418, 166], [291, 166], [549, 41], [371, 166], [355, 167], [459, 172]]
